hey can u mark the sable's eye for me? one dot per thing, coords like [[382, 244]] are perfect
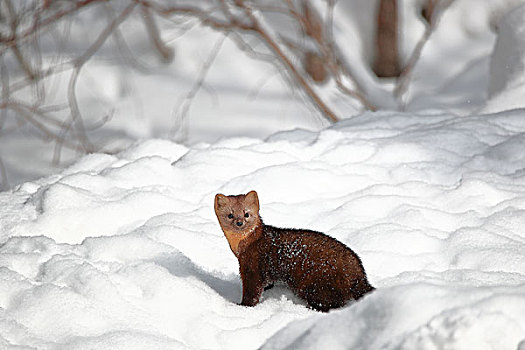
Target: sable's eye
[[230, 216], [246, 215]]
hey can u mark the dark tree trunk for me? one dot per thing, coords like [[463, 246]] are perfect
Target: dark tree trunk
[[386, 63]]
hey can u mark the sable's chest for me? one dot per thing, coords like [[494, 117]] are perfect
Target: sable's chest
[[234, 240]]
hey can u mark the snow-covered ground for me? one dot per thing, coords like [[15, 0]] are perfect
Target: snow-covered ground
[[124, 251]]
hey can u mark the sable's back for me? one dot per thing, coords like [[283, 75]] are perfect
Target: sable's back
[[296, 245]]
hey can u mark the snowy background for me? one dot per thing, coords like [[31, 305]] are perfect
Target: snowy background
[[123, 250]]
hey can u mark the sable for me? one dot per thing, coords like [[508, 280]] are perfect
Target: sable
[[318, 268]]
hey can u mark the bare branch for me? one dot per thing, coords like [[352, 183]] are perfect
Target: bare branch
[[291, 68], [29, 114], [4, 77], [40, 23], [76, 116], [186, 104], [338, 67], [249, 23], [4, 182], [406, 74], [13, 38], [164, 51], [59, 143]]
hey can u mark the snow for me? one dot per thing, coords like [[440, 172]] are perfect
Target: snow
[[124, 251], [121, 249]]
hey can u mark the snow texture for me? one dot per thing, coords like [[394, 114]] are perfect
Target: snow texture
[[125, 252]]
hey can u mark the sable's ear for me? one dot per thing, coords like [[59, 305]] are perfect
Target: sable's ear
[[220, 200], [252, 201]]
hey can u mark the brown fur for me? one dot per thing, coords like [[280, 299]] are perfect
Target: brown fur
[[318, 268]]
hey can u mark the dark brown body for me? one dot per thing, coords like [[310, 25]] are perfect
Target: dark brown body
[[318, 268]]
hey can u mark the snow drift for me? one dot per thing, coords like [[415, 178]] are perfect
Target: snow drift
[[124, 251]]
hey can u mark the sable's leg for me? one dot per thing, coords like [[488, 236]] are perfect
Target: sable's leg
[[252, 288], [250, 298]]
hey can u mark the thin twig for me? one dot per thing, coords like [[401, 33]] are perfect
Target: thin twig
[[406, 73], [4, 182], [165, 52], [53, 18], [76, 116], [59, 143], [291, 68], [29, 115], [186, 104], [13, 37], [4, 77], [337, 66]]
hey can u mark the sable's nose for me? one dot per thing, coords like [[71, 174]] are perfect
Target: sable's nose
[[239, 223]]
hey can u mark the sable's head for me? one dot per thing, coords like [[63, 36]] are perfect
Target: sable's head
[[237, 213], [238, 216]]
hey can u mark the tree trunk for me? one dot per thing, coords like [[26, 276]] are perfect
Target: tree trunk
[[386, 63]]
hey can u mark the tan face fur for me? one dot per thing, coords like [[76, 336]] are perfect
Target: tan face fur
[[238, 217]]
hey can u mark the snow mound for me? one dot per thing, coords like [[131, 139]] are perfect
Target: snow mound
[[124, 251]]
